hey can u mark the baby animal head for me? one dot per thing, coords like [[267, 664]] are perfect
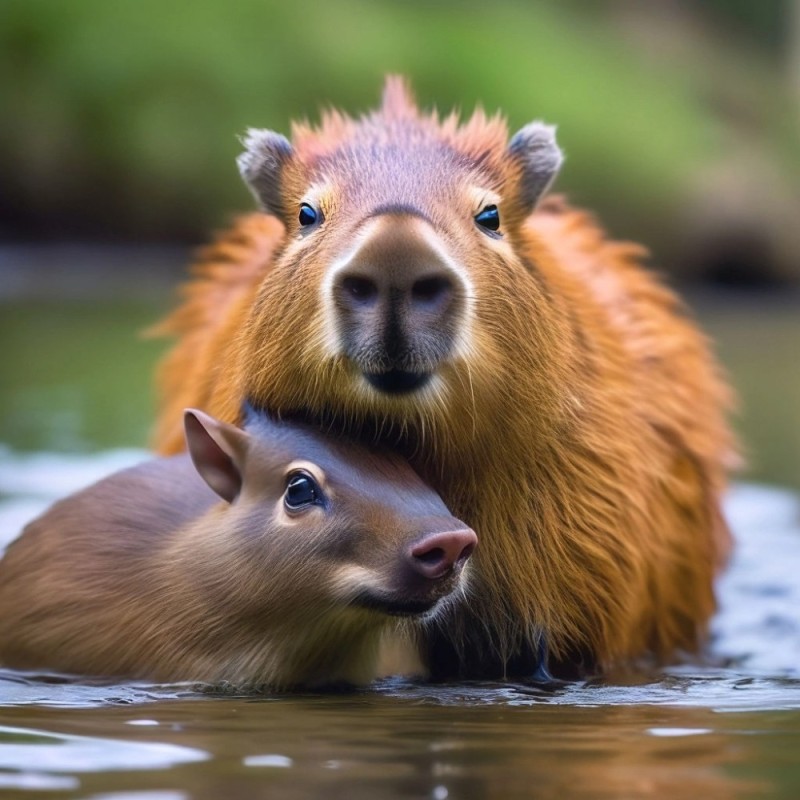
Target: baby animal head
[[323, 528]]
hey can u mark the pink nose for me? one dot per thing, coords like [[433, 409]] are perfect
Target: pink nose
[[438, 554]]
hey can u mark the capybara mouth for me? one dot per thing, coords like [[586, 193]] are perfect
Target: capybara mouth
[[397, 381], [393, 606]]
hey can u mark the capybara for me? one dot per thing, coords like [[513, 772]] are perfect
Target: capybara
[[290, 579], [408, 283]]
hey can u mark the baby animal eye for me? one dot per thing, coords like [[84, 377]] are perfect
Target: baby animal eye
[[308, 215], [301, 491], [489, 218]]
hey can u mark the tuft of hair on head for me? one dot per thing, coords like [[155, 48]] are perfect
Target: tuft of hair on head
[[535, 149], [261, 164], [398, 100], [481, 137]]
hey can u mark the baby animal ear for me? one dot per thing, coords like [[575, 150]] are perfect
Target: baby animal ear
[[535, 148], [261, 164], [217, 450]]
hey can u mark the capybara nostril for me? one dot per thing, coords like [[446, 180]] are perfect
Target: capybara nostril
[[439, 554], [358, 290], [431, 291]]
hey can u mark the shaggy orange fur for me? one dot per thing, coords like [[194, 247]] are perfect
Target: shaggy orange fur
[[582, 434]]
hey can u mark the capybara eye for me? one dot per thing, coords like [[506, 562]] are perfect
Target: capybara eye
[[489, 218], [308, 215], [301, 491]]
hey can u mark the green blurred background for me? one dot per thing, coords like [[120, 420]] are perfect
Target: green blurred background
[[680, 121]]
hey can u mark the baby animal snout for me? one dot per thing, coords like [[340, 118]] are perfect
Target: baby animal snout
[[439, 554]]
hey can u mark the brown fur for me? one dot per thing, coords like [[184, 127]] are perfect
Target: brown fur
[[583, 436], [148, 575]]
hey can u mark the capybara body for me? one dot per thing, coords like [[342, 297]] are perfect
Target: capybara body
[[408, 284], [276, 559]]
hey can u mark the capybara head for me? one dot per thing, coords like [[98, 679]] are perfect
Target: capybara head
[[396, 278], [328, 526]]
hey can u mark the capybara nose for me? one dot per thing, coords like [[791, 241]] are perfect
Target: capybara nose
[[357, 291], [398, 299], [438, 554]]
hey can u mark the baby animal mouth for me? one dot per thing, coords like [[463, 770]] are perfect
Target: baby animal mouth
[[397, 381], [394, 607]]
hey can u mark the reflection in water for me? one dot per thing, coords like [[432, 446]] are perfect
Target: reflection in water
[[50, 752], [381, 745], [725, 731], [38, 760]]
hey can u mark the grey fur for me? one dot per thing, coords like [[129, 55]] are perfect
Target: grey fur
[[535, 146], [261, 164]]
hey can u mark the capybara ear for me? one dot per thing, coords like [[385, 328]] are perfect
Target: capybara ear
[[217, 450], [261, 164], [535, 148]]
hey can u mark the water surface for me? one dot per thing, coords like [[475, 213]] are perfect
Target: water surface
[[727, 730]]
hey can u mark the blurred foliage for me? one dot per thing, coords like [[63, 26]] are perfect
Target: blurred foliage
[[75, 375], [765, 20], [120, 119]]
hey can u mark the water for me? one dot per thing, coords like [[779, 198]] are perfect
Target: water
[[728, 730], [74, 385], [390, 745]]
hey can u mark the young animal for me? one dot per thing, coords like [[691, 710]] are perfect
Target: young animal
[[408, 284], [314, 551]]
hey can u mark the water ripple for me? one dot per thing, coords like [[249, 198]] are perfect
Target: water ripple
[[35, 752]]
